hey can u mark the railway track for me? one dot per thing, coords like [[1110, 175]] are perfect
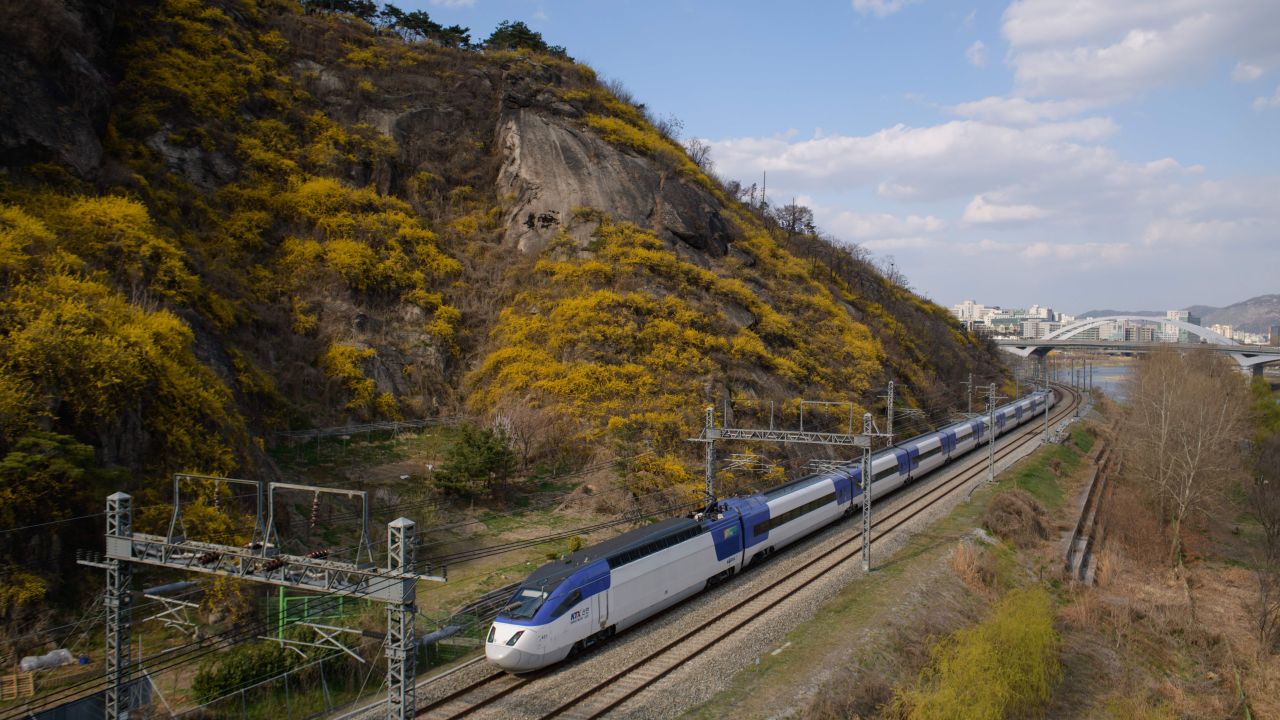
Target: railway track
[[602, 697], [476, 695]]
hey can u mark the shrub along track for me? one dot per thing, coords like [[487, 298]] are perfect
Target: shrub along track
[[606, 695]]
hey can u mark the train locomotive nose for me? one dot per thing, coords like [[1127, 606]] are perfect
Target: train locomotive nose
[[513, 648], [512, 659]]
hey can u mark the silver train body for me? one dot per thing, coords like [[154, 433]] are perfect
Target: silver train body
[[600, 590]]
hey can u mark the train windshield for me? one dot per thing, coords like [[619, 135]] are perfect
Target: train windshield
[[525, 604]]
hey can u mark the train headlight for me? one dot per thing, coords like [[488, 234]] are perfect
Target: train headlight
[[515, 637]]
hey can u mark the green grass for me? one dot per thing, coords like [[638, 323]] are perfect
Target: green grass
[[1040, 474], [330, 457]]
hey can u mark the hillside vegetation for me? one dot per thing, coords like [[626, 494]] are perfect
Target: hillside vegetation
[[222, 219]]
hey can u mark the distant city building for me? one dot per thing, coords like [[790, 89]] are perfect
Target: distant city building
[[1133, 332], [1042, 313], [1039, 321], [970, 311], [1275, 335], [1171, 332]]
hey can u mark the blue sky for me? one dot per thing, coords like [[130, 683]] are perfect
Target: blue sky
[[1075, 153]]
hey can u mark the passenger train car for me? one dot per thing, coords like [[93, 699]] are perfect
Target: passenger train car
[[591, 594]]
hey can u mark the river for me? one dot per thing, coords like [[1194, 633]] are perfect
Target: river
[[1113, 380], [1110, 379]]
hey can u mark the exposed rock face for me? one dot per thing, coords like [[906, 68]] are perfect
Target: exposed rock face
[[552, 167], [54, 99]]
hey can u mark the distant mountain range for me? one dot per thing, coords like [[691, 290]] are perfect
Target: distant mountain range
[[1256, 314]]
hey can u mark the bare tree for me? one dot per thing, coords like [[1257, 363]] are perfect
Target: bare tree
[[1148, 442], [1264, 495], [1183, 432], [699, 152], [1264, 506], [795, 219], [531, 430]]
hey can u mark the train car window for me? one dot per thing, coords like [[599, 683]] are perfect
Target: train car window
[[891, 470], [928, 453], [653, 546], [526, 602], [573, 599], [792, 514]]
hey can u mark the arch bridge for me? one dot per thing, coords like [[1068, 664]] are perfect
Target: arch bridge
[[1249, 357]]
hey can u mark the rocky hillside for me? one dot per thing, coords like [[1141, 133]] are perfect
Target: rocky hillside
[[223, 218], [1255, 315]]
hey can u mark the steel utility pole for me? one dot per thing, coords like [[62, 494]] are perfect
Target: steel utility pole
[[1048, 393], [991, 443], [709, 487], [889, 412], [401, 652], [969, 391], [866, 495], [119, 610]]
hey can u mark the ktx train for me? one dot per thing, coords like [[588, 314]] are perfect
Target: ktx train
[[591, 594]]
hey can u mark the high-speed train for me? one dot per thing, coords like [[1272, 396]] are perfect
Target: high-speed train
[[591, 594]]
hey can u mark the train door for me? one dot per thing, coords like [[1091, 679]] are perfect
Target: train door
[[602, 609]]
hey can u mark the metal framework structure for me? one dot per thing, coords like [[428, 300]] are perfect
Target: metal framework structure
[[862, 441], [119, 602], [260, 561], [401, 650]]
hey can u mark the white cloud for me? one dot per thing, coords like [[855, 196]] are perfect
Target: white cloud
[[968, 22], [1078, 254], [977, 54], [1262, 102], [982, 210], [1088, 252], [1246, 72], [880, 8], [1114, 50], [888, 245], [880, 226], [1019, 111], [950, 160]]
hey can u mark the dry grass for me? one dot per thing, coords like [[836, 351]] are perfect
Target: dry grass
[[1132, 528], [1017, 517], [1085, 610], [1109, 563], [864, 697], [976, 567]]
